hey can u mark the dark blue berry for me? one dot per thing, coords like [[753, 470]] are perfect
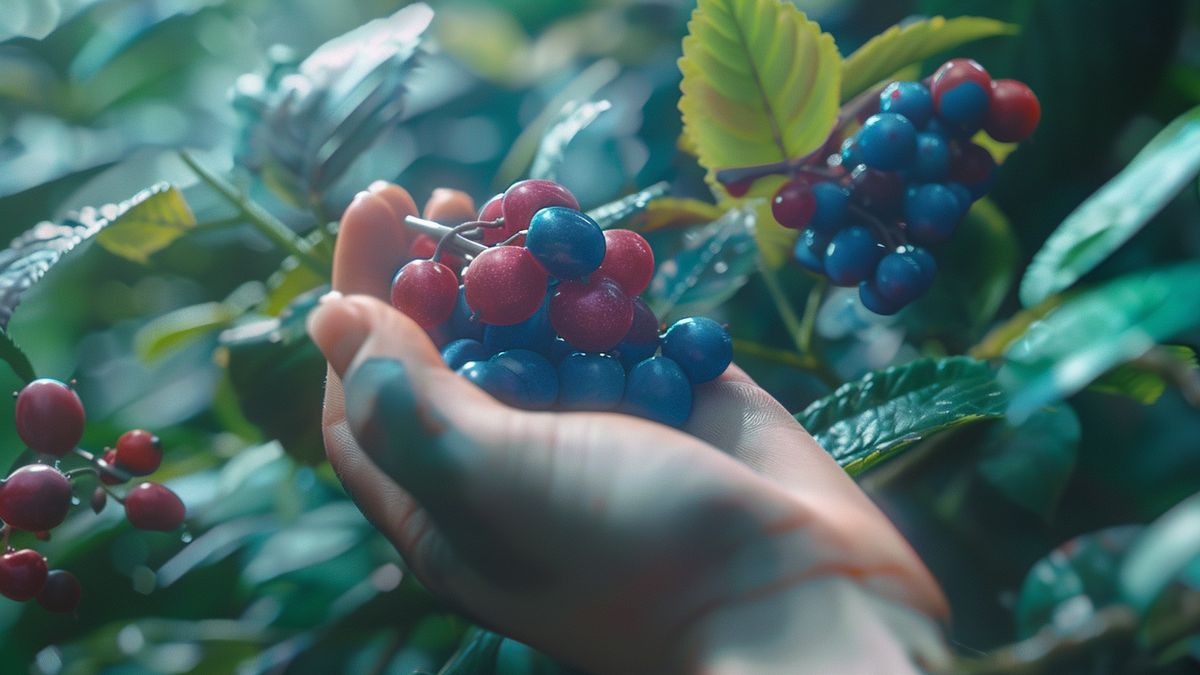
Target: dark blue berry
[[904, 274], [933, 158], [461, 352], [852, 255], [460, 324], [832, 201], [887, 141], [534, 333], [964, 108], [810, 250], [701, 346], [590, 382], [559, 350], [931, 214], [658, 389], [496, 380], [641, 342], [567, 243], [872, 300], [964, 195], [911, 99], [881, 192], [539, 377], [850, 154]]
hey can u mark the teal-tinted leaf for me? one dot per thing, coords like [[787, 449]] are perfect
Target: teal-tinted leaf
[[1117, 211], [181, 327], [1161, 554], [572, 119], [1031, 463], [699, 268], [16, 359], [146, 223], [1064, 589], [1146, 382], [477, 656], [869, 420], [616, 212], [306, 124], [320, 535], [29, 18], [1094, 331]]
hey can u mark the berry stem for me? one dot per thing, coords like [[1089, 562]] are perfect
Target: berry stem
[[95, 461], [119, 499], [460, 229], [270, 226], [888, 235], [459, 243], [808, 321], [515, 237]]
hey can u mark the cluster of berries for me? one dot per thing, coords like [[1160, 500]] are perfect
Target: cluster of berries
[[547, 315], [37, 497], [903, 182]]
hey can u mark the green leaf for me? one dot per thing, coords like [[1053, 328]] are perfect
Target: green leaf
[[477, 656], [180, 327], [618, 211], [1116, 212], [677, 211], [864, 422], [702, 267], [1031, 463], [1144, 382], [1094, 331], [1164, 551], [572, 119], [760, 85], [146, 223], [11, 354], [900, 46], [1065, 588]]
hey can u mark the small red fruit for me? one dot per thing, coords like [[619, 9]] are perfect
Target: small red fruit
[[110, 460], [151, 506], [505, 285], [35, 498], [1014, 111], [628, 260], [22, 575], [49, 417], [522, 200], [591, 316], [426, 291], [61, 592], [139, 452]]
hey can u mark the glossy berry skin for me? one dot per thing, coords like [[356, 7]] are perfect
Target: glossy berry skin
[[932, 212], [568, 244], [961, 90], [559, 350], [590, 382], [851, 157], [887, 141], [61, 592], [461, 352], [831, 203], [872, 300], [962, 193], [22, 575], [905, 274], [533, 333], [461, 324], [49, 417], [110, 460], [810, 250], [658, 389], [35, 498], [426, 291], [852, 255], [492, 211], [538, 376], [496, 380], [505, 285], [794, 204], [932, 160], [641, 340], [910, 99], [1014, 112], [151, 506], [881, 192], [973, 167], [525, 198], [592, 316], [99, 500], [702, 348], [139, 452], [628, 260]]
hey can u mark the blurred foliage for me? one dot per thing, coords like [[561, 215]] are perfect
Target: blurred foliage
[[188, 318]]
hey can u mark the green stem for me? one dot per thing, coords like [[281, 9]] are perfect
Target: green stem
[[800, 330], [808, 323], [270, 226], [791, 322]]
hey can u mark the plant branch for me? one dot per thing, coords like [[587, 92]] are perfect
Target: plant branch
[[808, 323], [262, 220], [800, 331], [454, 241]]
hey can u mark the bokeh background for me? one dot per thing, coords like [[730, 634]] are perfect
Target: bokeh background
[[278, 571]]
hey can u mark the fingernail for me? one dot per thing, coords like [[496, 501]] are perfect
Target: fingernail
[[338, 330]]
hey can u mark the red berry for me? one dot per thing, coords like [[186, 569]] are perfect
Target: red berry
[[592, 316], [99, 499], [505, 285], [35, 498], [423, 246], [972, 165], [955, 72], [875, 190], [50, 417], [1014, 111], [61, 592], [739, 188], [628, 260], [526, 198], [139, 452], [151, 506], [426, 291], [22, 575], [110, 460], [794, 204], [492, 211]]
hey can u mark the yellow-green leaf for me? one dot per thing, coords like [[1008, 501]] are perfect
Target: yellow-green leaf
[[147, 223], [899, 46], [668, 212]]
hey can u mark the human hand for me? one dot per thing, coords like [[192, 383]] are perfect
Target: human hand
[[615, 543]]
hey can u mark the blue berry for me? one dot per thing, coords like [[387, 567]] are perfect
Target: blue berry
[[931, 213], [539, 377], [964, 195], [641, 342], [567, 243], [460, 324], [964, 108], [905, 274], [590, 382], [810, 250], [496, 380], [559, 350], [461, 352], [932, 159], [701, 346], [658, 389], [832, 200], [852, 255], [849, 151], [881, 192], [872, 300], [911, 99], [887, 141], [534, 333]]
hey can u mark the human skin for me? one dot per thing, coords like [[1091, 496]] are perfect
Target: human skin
[[614, 543]]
